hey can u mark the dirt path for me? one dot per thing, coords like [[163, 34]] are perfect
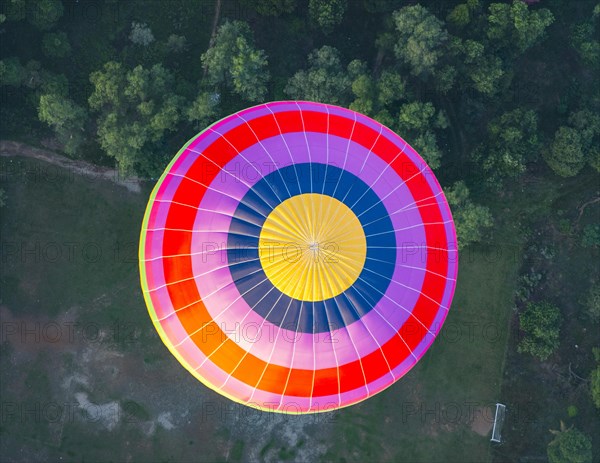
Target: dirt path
[[14, 148]]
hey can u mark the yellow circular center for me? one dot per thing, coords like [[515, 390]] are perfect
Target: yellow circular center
[[312, 247]]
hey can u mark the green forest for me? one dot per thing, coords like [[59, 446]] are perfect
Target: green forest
[[500, 98]]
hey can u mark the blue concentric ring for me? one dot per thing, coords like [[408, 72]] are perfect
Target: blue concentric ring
[[267, 300]]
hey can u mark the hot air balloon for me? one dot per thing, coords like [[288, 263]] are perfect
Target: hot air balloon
[[298, 257]]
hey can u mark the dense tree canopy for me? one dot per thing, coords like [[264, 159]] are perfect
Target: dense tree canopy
[[66, 118], [565, 156], [540, 323], [471, 220], [417, 121], [136, 108], [44, 14], [484, 70], [592, 303], [595, 378], [233, 60], [576, 145], [272, 7], [585, 39], [463, 13], [373, 96], [570, 446], [420, 39], [141, 34], [12, 72], [512, 142], [327, 13], [391, 87], [325, 80], [56, 45], [204, 108], [515, 25]]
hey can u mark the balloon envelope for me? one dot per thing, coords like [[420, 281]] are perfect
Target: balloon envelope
[[298, 257]]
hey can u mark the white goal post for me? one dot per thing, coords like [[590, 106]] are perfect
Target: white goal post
[[498, 422]]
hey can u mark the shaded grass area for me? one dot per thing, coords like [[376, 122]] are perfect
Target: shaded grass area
[[84, 374], [67, 240]]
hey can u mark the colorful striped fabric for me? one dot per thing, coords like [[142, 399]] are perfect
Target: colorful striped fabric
[[298, 257]]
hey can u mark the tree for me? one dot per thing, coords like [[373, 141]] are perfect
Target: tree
[[272, 7], [416, 122], [569, 446], [56, 45], [426, 145], [445, 78], [460, 16], [486, 74], [483, 71], [588, 124], [374, 95], [108, 86], [391, 88], [385, 118], [44, 14], [517, 26], [595, 378], [364, 88], [591, 236], [417, 116], [166, 117], [327, 13], [472, 50], [540, 323], [575, 145], [176, 43], [12, 72], [234, 61], [512, 143], [380, 6], [584, 40], [55, 84], [325, 80], [15, 10], [248, 72], [595, 386], [565, 156], [594, 157], [219, 57], [141, 34], [204, 108], [420, 39], [471, 220], [66, 118], [592, 303], [136, 109], [34, 74]]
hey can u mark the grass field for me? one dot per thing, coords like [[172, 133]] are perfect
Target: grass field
[[77, 343]]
